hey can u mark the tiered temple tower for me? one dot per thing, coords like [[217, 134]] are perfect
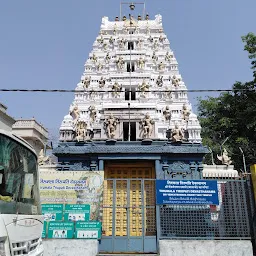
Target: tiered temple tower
[[130, 98], [131, 88]]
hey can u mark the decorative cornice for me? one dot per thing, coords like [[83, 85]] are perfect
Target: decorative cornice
[[128, 148]]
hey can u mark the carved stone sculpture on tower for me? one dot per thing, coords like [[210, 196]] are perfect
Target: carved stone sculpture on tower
[[110, 125], [141, 63], [168, 56], [120, 62], [102, 82], [168, 92], [75, 113], [177, 134], [105, 46], [185, 113], [175, 81], [86, 81], [94, 58], [167, 113], [143, 88], [116, 89], [80, 130], [161, 39], [99, 66], [111, 40], [93, 113], [100, 40], [155, 45], [159, 81], [107, 58], [121, 43], [154, 57], [161, 66], [150, 39], [224, 158], [146, 125], [139, 43]]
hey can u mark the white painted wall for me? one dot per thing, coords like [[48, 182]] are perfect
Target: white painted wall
[[70, 247], [205, 247]]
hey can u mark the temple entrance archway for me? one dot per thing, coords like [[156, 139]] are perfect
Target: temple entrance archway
[[129, 210]]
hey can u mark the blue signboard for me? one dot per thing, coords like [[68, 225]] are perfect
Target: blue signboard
[[187, 192]]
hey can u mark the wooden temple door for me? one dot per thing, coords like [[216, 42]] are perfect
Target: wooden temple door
[[129, 212]]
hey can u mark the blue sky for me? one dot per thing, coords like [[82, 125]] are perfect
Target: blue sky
[[44, 44]]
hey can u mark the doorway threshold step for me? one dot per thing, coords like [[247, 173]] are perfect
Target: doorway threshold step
[[127, 254]]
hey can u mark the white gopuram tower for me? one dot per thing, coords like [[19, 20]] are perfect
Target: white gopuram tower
[[131, 88]]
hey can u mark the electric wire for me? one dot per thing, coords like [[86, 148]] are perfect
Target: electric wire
[[102, 91]]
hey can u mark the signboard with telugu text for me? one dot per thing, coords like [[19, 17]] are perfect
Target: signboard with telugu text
[[196, 192]]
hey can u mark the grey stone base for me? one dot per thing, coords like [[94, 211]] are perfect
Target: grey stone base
[[205, 247], [70, 247]]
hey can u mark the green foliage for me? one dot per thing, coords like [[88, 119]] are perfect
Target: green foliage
[[232, 115], [250, 47]]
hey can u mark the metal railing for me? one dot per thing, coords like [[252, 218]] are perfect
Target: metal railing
[[228, 220]]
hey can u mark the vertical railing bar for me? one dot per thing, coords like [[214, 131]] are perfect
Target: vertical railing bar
[[114, 214], [234, 205], [143, 211], [128, 211]]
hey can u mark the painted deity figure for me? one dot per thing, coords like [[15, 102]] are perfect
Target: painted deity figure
[[175, 81], [94, 58], [100, 40], [116, 89], [185, 113], [99, 66], [144, 87], [105, 46], [102, 82], [141, 63], [80, 130], [224, 158], [167, 113], [110, 126], [161, 39], [121, 43], [177, 134], [154, 57], [147, 126], [139, 43], [150, 39], [159, 81], [161, 66], [111, 40], [86, 81], [93, 113], [155, 45], [107, 58], [168, 92], [120, 62], [168, 56]]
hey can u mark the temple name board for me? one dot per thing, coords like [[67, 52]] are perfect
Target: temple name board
[[196, 192]]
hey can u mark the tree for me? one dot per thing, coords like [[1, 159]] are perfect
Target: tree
[[232, 116]]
